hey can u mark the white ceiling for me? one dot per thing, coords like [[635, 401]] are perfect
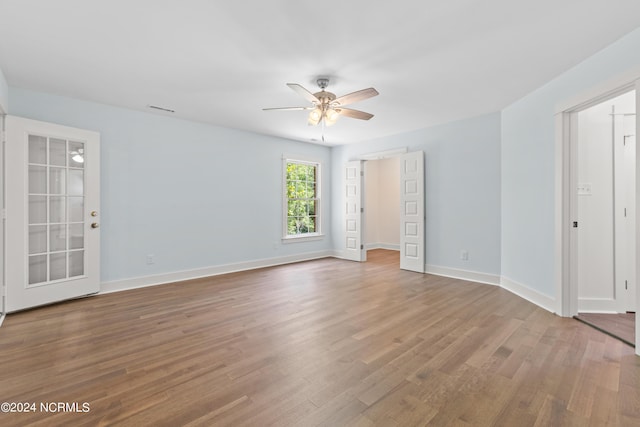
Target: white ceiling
[[221, 62]]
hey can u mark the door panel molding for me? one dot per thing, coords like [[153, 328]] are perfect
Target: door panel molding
[[412, 217], [352, 205]]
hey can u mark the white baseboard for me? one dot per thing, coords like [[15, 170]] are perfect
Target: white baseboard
[[388, 246], [529, 294], [455, 273], [597, 305], [2, 316], [177, 276]]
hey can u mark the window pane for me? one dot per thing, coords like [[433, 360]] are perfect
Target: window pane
[[57, 209], [76, 154], [37, 180], [76, 209], [311, 174], [37, 209], [37, 149], [58, 266], [311, 190], [37, 269], [291, 225], [76, 263], [57, 238], [57, 180], [76, 182], [37, 239], [76, 236], [57, 152]]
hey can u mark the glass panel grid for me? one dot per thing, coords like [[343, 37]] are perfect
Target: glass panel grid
[[302, 198], [56, 221]]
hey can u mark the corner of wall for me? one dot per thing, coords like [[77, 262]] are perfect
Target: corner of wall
[[531, 295]]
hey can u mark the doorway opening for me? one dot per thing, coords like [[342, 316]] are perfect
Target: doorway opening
[[597, 202], [606, 232], [409, 180], [381, 202]]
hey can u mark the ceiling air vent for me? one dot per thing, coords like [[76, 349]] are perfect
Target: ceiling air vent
[[167, 110]]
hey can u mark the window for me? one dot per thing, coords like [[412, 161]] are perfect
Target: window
[[301, 198]]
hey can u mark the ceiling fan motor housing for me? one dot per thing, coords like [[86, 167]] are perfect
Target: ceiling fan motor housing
[[322, 83]]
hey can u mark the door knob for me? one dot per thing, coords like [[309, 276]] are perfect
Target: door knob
[[95, 225]]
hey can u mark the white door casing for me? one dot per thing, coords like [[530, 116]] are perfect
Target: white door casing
[[412, 216], [352, 228], [625, 205], [52, 209]]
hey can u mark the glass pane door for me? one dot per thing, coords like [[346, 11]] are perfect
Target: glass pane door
[[56, 209]]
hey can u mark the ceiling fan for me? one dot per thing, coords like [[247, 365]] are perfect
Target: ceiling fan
[[326, 107]]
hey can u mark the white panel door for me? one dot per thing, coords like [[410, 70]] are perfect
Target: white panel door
[[412, 219], [352, 227], [52, 205]]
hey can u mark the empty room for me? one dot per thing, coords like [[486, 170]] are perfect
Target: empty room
[[298, 214]]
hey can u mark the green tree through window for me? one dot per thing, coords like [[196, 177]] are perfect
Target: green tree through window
[[302, 198]]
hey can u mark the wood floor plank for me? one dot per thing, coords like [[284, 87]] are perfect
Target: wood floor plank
[[325, 342]]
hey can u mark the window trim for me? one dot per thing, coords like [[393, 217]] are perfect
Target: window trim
[[317, 235]]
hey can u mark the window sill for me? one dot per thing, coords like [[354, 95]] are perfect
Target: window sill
[[303, 238]]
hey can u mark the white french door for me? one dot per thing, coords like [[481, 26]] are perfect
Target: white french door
[[412, 219], [353, 178], [52, 213]]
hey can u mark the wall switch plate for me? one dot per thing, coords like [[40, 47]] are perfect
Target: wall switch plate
[[150, 259], [464, 255]]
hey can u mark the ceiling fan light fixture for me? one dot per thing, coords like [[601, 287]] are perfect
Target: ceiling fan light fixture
[[330, 116], [315, 116]]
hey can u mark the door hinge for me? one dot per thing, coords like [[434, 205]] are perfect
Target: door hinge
[[361, 173], [625, 212], [361, 210], [361, 247], [626, 285], [575, 224]]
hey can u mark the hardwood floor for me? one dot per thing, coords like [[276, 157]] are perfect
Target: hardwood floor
[[621, 325], [326, 342]]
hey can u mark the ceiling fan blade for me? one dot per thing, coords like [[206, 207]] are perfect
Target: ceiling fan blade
[[289, 108], [355, 96], [304, 93], [354, 114]]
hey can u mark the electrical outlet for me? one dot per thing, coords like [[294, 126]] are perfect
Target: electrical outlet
[[464, 255], [150, 259]]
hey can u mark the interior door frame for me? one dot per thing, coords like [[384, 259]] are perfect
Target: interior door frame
[[3, 281], [379, 155], [565, 183], [397, 152]]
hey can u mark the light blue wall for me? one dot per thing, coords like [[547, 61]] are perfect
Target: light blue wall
[[462, 189], [4, 93], [193, 195], [528, 165]]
